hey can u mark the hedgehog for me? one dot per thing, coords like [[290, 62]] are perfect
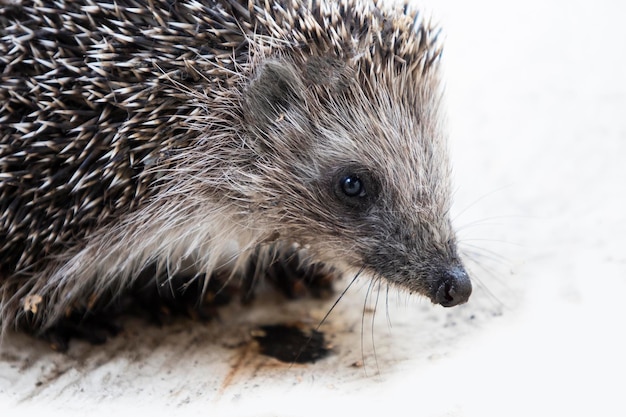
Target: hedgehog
[[218, 140]]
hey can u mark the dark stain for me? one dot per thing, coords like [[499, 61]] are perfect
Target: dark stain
[[290, 344]]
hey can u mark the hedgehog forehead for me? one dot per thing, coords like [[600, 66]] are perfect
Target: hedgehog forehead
[[383, 123]]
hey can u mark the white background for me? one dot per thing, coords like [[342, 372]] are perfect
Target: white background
[[536, 93]]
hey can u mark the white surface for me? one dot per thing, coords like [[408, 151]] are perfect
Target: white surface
[[537, 106]]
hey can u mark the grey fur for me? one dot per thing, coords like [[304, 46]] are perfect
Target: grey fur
[[167, 132]]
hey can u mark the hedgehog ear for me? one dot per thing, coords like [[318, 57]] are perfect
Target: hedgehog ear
[[274, 90], [330, 71]]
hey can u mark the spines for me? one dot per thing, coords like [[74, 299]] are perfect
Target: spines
[[99, 101]]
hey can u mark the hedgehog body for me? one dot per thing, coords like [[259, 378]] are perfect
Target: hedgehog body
[[166, 133]]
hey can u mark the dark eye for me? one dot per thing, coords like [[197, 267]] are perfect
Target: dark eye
[[355, 187], [352, 186]]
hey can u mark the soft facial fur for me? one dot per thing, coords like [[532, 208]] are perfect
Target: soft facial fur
[[197, 132]]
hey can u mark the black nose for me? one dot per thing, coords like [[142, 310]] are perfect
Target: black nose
[[452, 288]]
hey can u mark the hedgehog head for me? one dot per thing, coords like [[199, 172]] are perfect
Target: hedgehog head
[[350, 156]]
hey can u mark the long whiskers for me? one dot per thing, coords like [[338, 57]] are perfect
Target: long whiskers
[[374, 283], [352, 281]]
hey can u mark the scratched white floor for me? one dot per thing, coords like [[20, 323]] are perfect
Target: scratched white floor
[[537, 99]]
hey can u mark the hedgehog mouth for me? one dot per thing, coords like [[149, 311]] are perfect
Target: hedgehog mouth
[[448, 287]]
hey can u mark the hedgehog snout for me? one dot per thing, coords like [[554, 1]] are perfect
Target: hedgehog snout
[[451, 287]]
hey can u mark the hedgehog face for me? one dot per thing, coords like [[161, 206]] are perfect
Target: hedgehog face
[[360, 177]]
